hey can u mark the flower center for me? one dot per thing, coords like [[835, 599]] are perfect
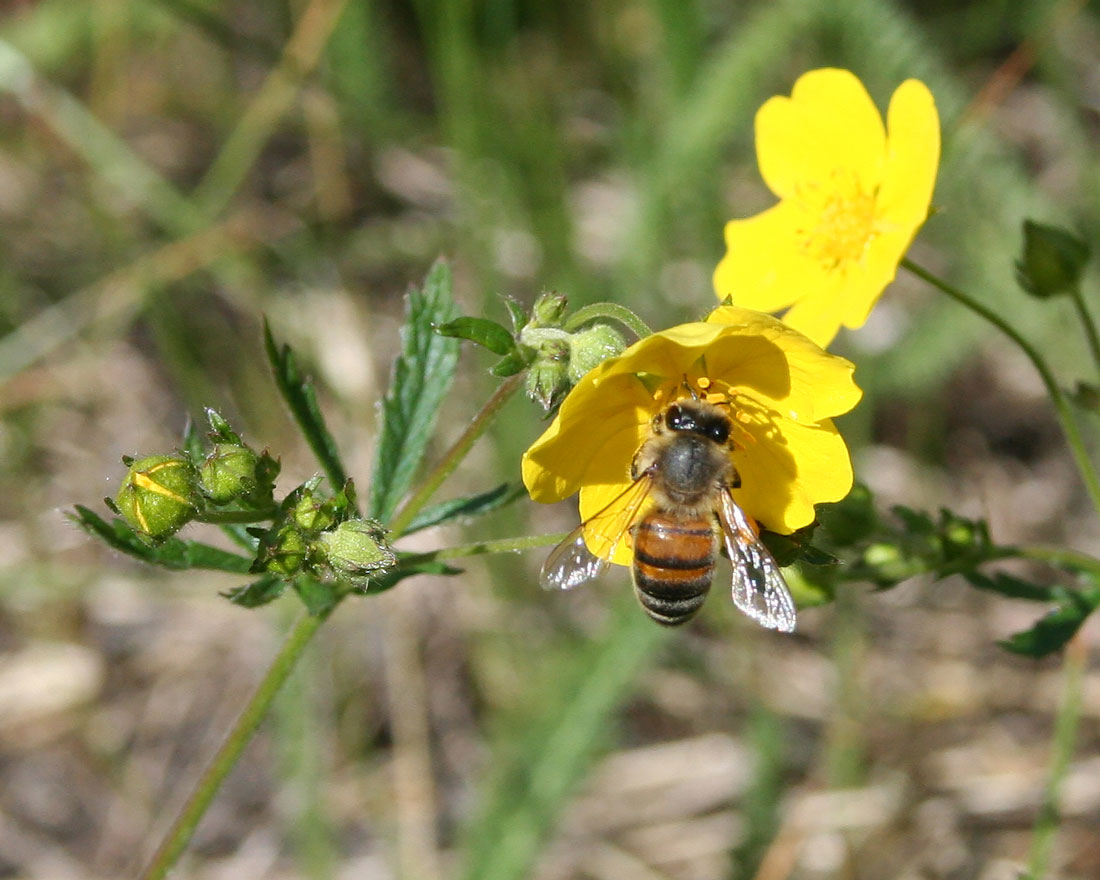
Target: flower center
[[845, 221]]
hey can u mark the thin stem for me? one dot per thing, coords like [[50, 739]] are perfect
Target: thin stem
[[500, 545], [1061, 405], [240, 734], [1065, 735], [454, 455], [1088, 324], [229, 517], [612, 312], [1061, 557]]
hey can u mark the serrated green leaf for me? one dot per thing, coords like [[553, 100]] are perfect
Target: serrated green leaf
[[422, 375], [474, 505], [297, 391], [486, 333], [253, 595], [319, 597], [1057, 627], [172, 553]]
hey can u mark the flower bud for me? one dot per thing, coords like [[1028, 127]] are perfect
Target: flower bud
[[1052, 262], [228, 472], [311, 512], [158, 495], [282, 551], [549, 308], [355, 547], [591, 347], [548, 376]]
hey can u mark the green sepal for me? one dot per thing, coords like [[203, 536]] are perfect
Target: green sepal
[[1052, 261], [486, 333], [172, 553], [259, 592], [220, 430], [516, 362], [516, 313]]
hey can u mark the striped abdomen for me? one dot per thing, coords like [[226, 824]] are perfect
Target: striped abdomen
[[673, 565]]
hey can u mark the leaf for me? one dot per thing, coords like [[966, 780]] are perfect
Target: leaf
[[517, 314], [510, 364], [172, 553], [421, 377], [394, 576], [1060, 624], [257, 593], [486, 333], [319, 597], [301, 399], [1010, 586], [474, 505]]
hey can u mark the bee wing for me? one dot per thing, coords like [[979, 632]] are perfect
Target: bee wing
[[571, 563], [759, 589]]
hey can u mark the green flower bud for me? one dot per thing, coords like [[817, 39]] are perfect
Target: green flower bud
[[158, 495], [228, 472], [283, 551], [591, 347], [309, 511], [549, 308], [1052, 262], [355, 547], [548, 376]]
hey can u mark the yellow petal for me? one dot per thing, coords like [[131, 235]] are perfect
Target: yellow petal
[[766, 266], [913, 155], [775, 364], [592, 439], [780, 483], [829, 124]]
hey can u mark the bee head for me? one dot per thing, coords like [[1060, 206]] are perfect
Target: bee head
[[690, 417]]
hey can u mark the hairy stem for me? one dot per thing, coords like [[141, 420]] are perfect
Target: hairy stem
[[240, 734], [1088, 324], [1065, 735], [611, 312], [454, 455], [1061, 405]]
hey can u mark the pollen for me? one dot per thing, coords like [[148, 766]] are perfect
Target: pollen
[[844, 224]]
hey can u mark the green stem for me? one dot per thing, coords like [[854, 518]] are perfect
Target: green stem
[[229, 517], [240, 734], [500, 545], [454, 455], [1061, 557], [612, 312], [1089, 325], [1065, 734], [1061, 405]]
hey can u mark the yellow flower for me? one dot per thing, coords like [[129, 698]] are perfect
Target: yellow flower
[[852, 196], [781, 388]]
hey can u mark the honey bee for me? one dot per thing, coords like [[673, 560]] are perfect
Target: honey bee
[[684, 466]]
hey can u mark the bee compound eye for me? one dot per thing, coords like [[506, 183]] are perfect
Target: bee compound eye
[[674, 417], [719, 433]]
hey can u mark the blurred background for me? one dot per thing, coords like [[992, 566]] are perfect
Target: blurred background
[[172, 170]]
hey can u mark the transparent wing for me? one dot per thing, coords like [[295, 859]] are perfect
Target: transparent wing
[[759, 589], [571, 563]]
